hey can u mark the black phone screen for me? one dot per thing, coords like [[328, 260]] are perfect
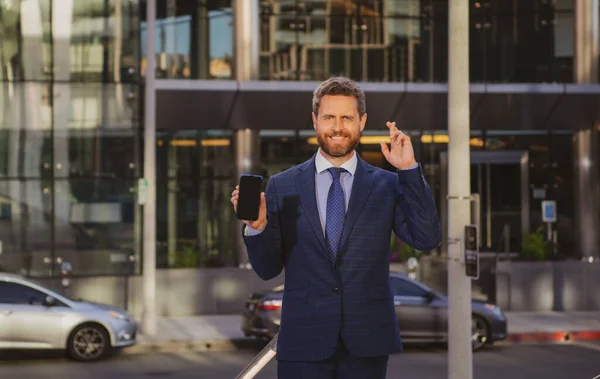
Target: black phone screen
[[249, 197]]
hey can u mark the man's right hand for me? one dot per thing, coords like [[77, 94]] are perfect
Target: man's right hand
[[261, 222]]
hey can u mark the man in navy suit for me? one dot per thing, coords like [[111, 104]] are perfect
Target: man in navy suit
[[328, 222]]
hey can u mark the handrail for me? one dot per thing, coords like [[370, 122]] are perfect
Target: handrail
[[260, 361]]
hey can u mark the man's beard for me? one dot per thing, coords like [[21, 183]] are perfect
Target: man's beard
[[339, 150]]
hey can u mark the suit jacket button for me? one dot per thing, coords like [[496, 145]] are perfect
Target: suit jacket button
[[336, 290]]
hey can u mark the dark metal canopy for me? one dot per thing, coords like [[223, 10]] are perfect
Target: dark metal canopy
[[287, 105]]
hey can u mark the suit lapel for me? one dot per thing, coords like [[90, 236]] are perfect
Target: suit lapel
[[361, 189], [305, 183]]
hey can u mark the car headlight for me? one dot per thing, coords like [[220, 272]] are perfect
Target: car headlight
[[118, 316], [495, 309]]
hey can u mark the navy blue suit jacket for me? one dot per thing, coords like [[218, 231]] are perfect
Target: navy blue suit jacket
[[350, 298]]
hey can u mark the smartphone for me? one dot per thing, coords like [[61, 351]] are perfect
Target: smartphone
[[249, 197]]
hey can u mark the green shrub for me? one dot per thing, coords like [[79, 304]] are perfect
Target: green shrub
[[188, 257], [535, 247]]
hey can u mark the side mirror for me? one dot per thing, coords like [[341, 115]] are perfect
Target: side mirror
[[430, 296], [49, 301]]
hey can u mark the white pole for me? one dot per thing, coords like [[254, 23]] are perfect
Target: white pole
[[149, 266], [260, 361], [460, 359]]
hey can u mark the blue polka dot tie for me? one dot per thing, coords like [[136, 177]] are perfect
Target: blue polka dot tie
[[336, 213]]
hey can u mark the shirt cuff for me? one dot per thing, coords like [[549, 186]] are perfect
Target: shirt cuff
[[410, 168], [249, 232]]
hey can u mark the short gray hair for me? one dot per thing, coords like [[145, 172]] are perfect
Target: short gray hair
[[340, 86]]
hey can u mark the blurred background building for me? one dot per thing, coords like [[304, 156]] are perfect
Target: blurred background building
[[71, 126]]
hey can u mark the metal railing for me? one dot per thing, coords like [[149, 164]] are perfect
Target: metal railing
[[260, 361]]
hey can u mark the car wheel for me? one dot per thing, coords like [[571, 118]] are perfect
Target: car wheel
[[480, 332], [88, 342]]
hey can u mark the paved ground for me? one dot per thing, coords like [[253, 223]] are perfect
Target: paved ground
[[557, 361], [222, 332]]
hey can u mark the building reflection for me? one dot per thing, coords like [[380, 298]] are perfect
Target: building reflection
[[71, 86]]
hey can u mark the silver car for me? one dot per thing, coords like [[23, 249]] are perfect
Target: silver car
[[422, 314], [35, 317]]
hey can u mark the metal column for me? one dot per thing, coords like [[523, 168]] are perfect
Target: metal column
[[587, 181], [246, 138]]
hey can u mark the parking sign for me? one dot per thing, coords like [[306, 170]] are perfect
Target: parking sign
[[549, 211]]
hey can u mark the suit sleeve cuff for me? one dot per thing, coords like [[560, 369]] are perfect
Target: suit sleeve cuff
[[411, 174]]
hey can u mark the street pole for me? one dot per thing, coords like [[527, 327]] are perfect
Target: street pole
[[149, 247], [460, 359]]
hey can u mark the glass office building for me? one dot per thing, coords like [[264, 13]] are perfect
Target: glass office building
[[233, 95]]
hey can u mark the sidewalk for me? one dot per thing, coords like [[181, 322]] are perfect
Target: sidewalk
[[222, 332]]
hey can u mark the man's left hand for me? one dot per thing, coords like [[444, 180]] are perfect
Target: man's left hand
[[401, 155]]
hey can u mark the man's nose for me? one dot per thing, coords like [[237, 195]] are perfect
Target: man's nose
[[337, 124]]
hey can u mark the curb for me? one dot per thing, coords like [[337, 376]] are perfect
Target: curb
[[192, 346], [553, 337], [145, 346]]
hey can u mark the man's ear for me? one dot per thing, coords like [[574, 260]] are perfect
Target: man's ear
[[363, 122], [314, 119]]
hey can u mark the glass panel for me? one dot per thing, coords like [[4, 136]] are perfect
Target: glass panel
[[94, 130], [194, 39], [539, 158], [561, 188], [24, 33], [95, 40], [307, 144], [94, 225], [92, 40], [278, 150], [407, 40], [499, 187], [282, 29], [26, 226], [194, 217], [524, 41], [505, 199], [101, 154], [85, 106], [25, 147]]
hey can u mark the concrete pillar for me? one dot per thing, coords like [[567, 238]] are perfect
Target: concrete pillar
[[247, 161], [585, 70], [585, 59], [460, 356], [586, 185], [247, 39], [246, 139]]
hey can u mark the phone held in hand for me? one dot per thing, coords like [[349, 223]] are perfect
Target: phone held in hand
[[249, 197]]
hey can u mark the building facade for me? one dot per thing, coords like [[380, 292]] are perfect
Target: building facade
[[234, 87]]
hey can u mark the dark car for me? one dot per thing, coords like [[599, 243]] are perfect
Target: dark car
[[422, 314]]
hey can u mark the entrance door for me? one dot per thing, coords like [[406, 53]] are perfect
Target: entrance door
[[501, 179]]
